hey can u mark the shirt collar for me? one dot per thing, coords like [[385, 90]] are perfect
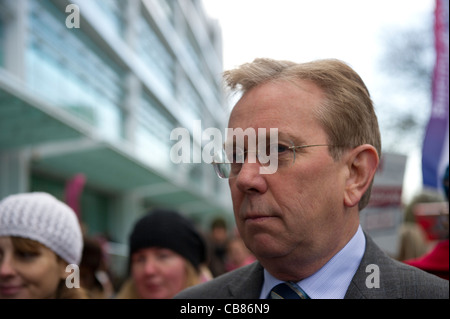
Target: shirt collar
[[332, 280]]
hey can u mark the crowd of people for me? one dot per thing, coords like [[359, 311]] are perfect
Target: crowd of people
[[427, 247], [41, 239], [297, 230]]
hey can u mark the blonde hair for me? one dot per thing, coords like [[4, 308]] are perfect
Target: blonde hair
[[129, 291], [347, 114]]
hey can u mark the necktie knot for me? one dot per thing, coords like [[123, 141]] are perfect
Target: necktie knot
[[288, 290]]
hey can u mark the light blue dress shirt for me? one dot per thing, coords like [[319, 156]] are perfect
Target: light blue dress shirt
[[332, 280]]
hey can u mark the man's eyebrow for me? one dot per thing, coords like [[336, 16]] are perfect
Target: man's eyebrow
[[282, 136]]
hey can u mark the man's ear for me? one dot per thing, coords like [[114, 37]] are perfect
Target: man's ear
[[362, 163]]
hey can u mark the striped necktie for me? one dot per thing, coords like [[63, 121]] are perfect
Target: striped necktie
[[288, 290]]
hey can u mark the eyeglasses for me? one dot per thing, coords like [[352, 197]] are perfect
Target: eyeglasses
[[228, 163]]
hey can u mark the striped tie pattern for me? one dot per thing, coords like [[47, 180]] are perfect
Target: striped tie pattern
[[288, 290]]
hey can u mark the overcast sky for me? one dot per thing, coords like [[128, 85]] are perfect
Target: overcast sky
[[304, 30]]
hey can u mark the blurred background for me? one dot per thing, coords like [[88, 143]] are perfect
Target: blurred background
[[90, 91]]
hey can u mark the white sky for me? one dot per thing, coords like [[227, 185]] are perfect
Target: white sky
[[304, 30]]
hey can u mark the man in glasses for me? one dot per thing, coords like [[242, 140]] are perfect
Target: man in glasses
[[301, 221]]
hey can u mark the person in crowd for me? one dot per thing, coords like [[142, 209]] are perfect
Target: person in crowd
[[40, 248], [413, 241], [94, 273], [217, 241], [238, 254], [166, 255], [297, 199], [436, 260]]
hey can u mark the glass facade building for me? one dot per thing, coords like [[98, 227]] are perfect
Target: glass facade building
[[94, 88]]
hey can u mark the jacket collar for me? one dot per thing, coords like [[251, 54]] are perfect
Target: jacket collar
[[248, 284], [374, 263]]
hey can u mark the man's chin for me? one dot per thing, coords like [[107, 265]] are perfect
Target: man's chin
[[265, 246]]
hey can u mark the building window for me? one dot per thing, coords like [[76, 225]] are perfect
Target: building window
[[191, 45], [190, 100], [153, 129], [167, 7], [113, 11], [155, 54], [66, 68], [2, 42]]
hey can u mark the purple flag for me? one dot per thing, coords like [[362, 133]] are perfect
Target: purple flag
[[435, 149]]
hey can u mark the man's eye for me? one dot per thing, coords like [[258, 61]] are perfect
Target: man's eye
[[279, 148], [282, 148]]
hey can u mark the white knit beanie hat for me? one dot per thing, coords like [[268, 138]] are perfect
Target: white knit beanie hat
[[41, 217]]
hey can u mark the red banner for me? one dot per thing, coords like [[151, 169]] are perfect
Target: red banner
[[74, 188]]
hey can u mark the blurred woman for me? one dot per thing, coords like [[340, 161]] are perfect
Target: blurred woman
[[166, 256], [238, 254], [39, 238]]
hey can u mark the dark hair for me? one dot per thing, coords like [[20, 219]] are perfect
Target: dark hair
[[169, 229]]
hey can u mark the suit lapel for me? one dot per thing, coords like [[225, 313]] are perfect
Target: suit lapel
[[359, 289], [248, 284]]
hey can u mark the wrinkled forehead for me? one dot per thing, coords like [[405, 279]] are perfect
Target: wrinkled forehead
[[250, 136], [253, 139], [286, 106]]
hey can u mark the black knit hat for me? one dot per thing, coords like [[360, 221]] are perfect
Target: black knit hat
[[168, 229]]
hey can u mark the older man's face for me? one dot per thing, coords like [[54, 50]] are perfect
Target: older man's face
[[298, 209]]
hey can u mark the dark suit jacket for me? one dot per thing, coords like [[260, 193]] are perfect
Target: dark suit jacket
[[396, 280]]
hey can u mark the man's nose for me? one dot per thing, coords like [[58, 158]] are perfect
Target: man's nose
[[250, 178]]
